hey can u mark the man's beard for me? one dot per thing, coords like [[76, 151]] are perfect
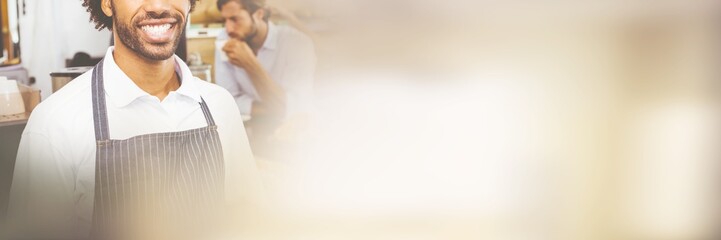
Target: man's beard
[[129, 36], [253, 31]]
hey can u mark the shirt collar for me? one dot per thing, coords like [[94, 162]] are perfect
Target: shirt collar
[[189, 83], [271, 41], [122, 91]]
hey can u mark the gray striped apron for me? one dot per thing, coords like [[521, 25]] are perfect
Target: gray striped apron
[[155, 186]]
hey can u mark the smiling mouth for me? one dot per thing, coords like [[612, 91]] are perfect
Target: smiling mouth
[[156, 30]]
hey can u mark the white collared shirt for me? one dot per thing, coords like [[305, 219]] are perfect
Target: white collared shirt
[[54, 177], [289, 58]]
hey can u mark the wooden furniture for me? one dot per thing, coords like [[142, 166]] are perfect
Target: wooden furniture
[[205, 12], [205, 46]]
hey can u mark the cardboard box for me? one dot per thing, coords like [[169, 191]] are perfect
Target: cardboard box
[[31, 98]]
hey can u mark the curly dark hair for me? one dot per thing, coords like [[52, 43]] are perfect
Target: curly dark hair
[[103, 21]]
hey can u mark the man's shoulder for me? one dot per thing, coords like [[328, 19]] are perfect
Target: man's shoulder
[[67, 105], [211, 91], [219, 100], [291, 34], [294, 44], [208, 87]]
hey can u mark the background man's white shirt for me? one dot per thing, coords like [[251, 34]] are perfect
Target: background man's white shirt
[[287, 55]]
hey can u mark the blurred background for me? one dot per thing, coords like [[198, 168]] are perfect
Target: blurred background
[[462, 119]]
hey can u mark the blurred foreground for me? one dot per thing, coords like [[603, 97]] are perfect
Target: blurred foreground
[[506, 120]]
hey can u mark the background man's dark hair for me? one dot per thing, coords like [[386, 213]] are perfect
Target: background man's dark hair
[[100, 19], [249, 5]]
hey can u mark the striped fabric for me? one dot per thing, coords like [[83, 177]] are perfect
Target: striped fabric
[[163, 185]]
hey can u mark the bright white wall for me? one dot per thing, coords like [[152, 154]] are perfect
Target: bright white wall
[[52, 31]]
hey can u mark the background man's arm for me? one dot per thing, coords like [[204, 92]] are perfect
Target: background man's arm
[[272, 95]]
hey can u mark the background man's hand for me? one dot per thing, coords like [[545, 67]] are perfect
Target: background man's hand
[[239, 53]]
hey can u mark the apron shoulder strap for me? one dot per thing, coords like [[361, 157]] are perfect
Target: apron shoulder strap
[[100, 111], [206, 112]]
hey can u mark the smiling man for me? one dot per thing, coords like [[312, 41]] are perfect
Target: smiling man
[[137, 148]]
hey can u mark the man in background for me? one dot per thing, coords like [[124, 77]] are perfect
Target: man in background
[[269, 69]]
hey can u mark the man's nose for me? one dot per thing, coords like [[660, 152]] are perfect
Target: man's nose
[[157, 6]]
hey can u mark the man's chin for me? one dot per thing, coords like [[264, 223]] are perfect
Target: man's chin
[[157, 56], [157, 52]]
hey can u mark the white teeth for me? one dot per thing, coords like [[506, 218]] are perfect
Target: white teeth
[[156, 29]]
